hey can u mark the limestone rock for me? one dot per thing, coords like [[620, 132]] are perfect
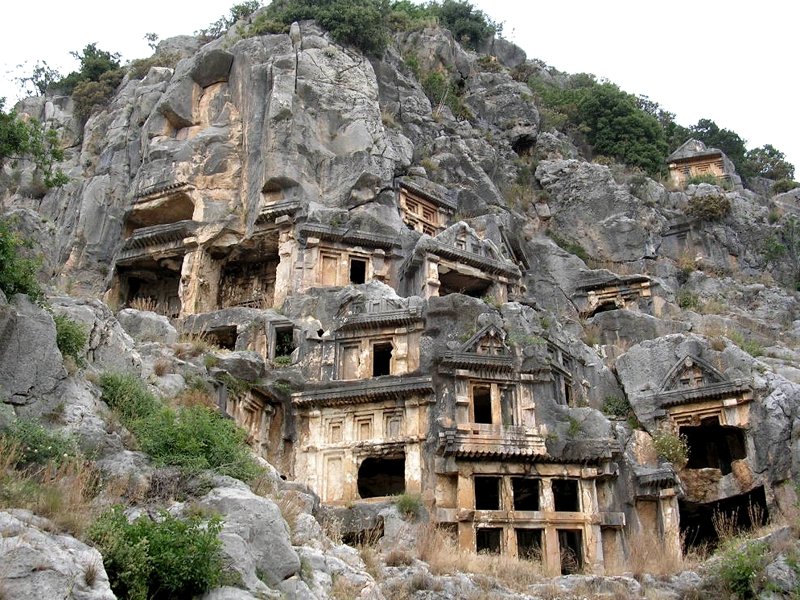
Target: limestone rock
[[37, 564], [254, 537], [248, 366], [30, 362], [146, 326]]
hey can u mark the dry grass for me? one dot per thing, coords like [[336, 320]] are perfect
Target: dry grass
[[649, 554], [162, 367], [291, 507], [332, 528], [397, 557], [192, 344], [62, 493], [194, 397], [445, 557], [342, 589], [90, 573], [372, 562], [144, 304]]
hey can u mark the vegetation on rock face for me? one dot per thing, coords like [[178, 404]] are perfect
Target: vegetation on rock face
[[191, 437], [38, 445], [709, 208], [671, 447], [94, 84], [17, 274], [158, 559], [26, 138], [71, 337]]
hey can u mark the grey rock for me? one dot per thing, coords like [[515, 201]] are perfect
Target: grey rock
[[231, 593], [245, 365], [146, 326], [30, 363], [37, 564], [781, 575], [254, 537], [212, 67]]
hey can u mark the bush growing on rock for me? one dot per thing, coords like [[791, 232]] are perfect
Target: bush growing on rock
[[152, 560], [37, 445], [709, 208], [191, 437], [671, 447], [17, 274], [71, 337]]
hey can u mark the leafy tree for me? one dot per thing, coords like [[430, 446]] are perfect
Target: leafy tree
[[94, 63], [17, 274], [768, 161], [40, 79], [22, 138], [708, 132], [468, 25]]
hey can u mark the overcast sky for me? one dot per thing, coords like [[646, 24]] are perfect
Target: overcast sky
[[733, 62]]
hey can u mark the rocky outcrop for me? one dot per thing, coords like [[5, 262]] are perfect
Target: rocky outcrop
[[38, 564]]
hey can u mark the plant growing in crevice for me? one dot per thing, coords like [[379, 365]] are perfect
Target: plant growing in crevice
[[671, 447]]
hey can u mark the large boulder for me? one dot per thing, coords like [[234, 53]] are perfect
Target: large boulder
[[147, 326], [36, 564], [31, 365]]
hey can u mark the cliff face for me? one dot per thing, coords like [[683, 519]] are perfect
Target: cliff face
[[383, 275]]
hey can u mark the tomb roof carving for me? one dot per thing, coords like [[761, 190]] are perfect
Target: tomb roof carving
[[486, 349], [692, 379], [347, 235], [428, 190], [162, 188], [596, 280], [492, 442], [384, 312], [474, 251], [692, 149], [270, 212], [650, 481], [162, 239], [361, 392]]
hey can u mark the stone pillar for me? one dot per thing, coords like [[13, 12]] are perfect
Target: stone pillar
[[430, 270], [413, 472], [670, 528], [199, 285], [551, 555], [287, 250]]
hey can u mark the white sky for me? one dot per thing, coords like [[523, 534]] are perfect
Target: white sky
[[733, 62]]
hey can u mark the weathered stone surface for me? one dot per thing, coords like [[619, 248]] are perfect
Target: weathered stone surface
[[248, 366], [146, 326], [254, 537], [30, 362], [212, 67], [37, 564]]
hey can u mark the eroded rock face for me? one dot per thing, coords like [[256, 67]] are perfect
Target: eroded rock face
[[38, 564]]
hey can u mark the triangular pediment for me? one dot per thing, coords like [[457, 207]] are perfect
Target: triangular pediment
[[489, 341], [690, 373], [463, 237]]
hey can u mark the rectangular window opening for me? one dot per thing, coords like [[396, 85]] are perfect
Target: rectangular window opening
[[482, 405], [570, 543], [487, 493], [565, 495], [358, 270], [382, 359], [529, 544], [488, 540], [526, 493], [284, 341]]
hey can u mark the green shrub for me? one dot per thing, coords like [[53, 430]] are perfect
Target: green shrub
[[71, 337], [709, 208], [469, 26], [17, 274], [574, 427], [28, 138], [752, 347], [704, 178], [282, 361], [614, 406], [38, 445], [409, 505], [196, 438], [193, 437], [155, 560], [442, 91], [671, 447], [571, 247], [91, 96], [740, 567], [687, 300], [140, 66], [783, 186], [128, 396]]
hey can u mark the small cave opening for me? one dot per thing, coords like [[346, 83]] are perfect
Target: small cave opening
[[523, 145], [526, 493], [382, 359], [529, 544], [488, 540], [702, 523], [487, 493], [222, 337], [565, 495], [358, 270], [714, 446], [379, 477], [364, 537], [570, 543], [453, 282], [482, 405], [603, 307]]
